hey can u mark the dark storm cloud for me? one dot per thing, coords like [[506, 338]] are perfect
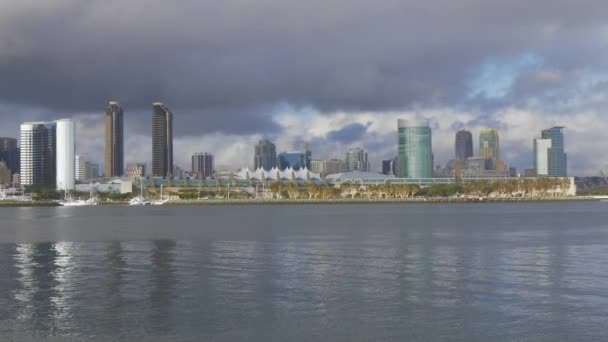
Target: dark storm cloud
[[219, 62], [348, 133], [193, 122]]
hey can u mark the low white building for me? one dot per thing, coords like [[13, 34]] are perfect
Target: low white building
[[114, 186]]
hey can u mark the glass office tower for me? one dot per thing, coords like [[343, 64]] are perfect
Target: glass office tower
[[557, 159], [489, 147], [415, 150]]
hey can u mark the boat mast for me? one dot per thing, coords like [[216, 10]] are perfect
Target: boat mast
[[199, 187]]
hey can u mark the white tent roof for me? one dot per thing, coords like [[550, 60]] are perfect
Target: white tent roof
[[273, 174]]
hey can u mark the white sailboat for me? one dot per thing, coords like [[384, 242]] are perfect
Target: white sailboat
[[93, 200], [161, 200], [69, 201], [140, 200]]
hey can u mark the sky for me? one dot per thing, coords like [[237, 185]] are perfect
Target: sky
[[336, 74]]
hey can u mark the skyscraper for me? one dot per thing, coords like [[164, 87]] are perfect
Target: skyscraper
[[541, 156], [388, 166], [38, 153], [556, 158], [356, 160], [334, 166], [162, 141], [463, 145], [81, 172], [5, 174], [114, 159], [7, 144], [202, 165], [66, 159], [307, 156], [489, 147], [92, 170], [296, 160], [9, 154], [415, 150], [265, 156]]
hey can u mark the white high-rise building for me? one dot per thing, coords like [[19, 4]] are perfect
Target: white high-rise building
[[66, 158], [37, 156], [541, 156], [81, 172]]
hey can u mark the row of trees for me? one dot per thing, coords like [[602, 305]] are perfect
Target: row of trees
[[523, 187]]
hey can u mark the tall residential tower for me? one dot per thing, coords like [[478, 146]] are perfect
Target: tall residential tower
[[114, 158], [38, 153], [265, 155], [463, 145], [66, 157], [9, 154], [202, 165], [162, 141]]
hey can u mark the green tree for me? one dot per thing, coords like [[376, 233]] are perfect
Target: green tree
[[313, 190], [276, 188], [292, 190]]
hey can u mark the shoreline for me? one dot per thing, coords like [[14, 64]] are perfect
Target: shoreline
[[358, 201], [381, 201], [25, 204]]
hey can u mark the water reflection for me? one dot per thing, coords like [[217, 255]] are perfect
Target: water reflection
[[37, 286], [162, 287], [114, 269], [371, 284]]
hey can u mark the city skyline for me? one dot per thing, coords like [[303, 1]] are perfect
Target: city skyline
[[415, 157], [303, 170], [353, 87], [442, 153], [411, 135]]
